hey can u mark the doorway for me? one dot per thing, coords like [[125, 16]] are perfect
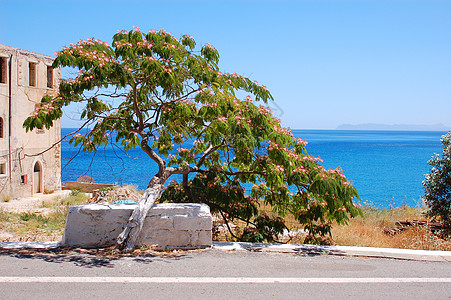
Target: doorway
[[37, 178]]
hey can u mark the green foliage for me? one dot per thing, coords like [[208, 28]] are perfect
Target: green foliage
[[75, 192], [26, 216], [4, 216], [227, 198], [33, 221], [437, 186], [78, 199], [108, 188], [154, 91]]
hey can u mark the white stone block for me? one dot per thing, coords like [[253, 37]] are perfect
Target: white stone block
[[187, 223], [167, 225], [204, 238], [160, 222]]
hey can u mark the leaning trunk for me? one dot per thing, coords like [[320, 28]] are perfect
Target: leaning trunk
[[128, 238]]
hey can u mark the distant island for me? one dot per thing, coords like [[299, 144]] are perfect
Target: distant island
[[395, 127]]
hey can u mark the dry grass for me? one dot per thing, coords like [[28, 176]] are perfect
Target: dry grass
[[368, 231], [112, 194], [47, 225]]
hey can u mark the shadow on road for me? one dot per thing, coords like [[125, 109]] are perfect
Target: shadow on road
[[303, 250], [314, 250], [91, 258]]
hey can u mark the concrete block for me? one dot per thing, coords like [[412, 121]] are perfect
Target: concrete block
[[160, 222], [186, 223], [167, 225], [169, 239], [204, 238]]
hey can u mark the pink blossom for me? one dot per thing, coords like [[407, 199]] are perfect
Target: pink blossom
[[302, 142], [280, 168]]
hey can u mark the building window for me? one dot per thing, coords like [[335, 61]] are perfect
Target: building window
[[49, 77], [1, 127], [32, 68], [2, 168], [24, 179], [3, 69]]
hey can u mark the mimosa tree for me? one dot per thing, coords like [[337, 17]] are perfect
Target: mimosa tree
[[156, 92]]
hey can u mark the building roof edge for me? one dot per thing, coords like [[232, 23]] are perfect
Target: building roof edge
[[6, 47]]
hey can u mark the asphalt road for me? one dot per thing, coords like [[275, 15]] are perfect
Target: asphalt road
[[216, 274]]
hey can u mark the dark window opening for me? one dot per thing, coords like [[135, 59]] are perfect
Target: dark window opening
[[2, 168], [24, 179], [49, 77], [3, 69], [1, 128], [32, 68]]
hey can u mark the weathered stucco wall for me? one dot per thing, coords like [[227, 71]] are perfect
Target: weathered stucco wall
[[167, 225], [25, 168]]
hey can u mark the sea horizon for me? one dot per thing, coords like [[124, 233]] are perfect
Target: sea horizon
[[332, 129], [387, 167]]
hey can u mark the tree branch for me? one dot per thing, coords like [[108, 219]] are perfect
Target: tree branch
[[208, 152], [149, 151], [60, 140], [137, 110]]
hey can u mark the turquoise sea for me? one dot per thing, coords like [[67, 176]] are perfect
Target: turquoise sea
[[386, 167]]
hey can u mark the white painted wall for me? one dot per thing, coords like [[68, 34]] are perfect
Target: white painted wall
[[167, 225]]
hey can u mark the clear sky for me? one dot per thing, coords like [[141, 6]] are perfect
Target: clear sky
[[325, 62]]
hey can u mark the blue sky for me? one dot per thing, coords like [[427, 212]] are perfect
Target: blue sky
[[325, 62]]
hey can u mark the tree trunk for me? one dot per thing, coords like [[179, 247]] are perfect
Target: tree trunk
[[128, 238]]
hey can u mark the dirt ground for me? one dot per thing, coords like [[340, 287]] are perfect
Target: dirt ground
[[32, 204]]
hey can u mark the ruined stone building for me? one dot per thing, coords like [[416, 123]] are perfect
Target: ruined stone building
[[25, 167]]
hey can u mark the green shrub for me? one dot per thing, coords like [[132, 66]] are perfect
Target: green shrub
[[437, 186], [26, 216]]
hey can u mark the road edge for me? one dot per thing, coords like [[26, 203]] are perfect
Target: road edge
[[392, 253]]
